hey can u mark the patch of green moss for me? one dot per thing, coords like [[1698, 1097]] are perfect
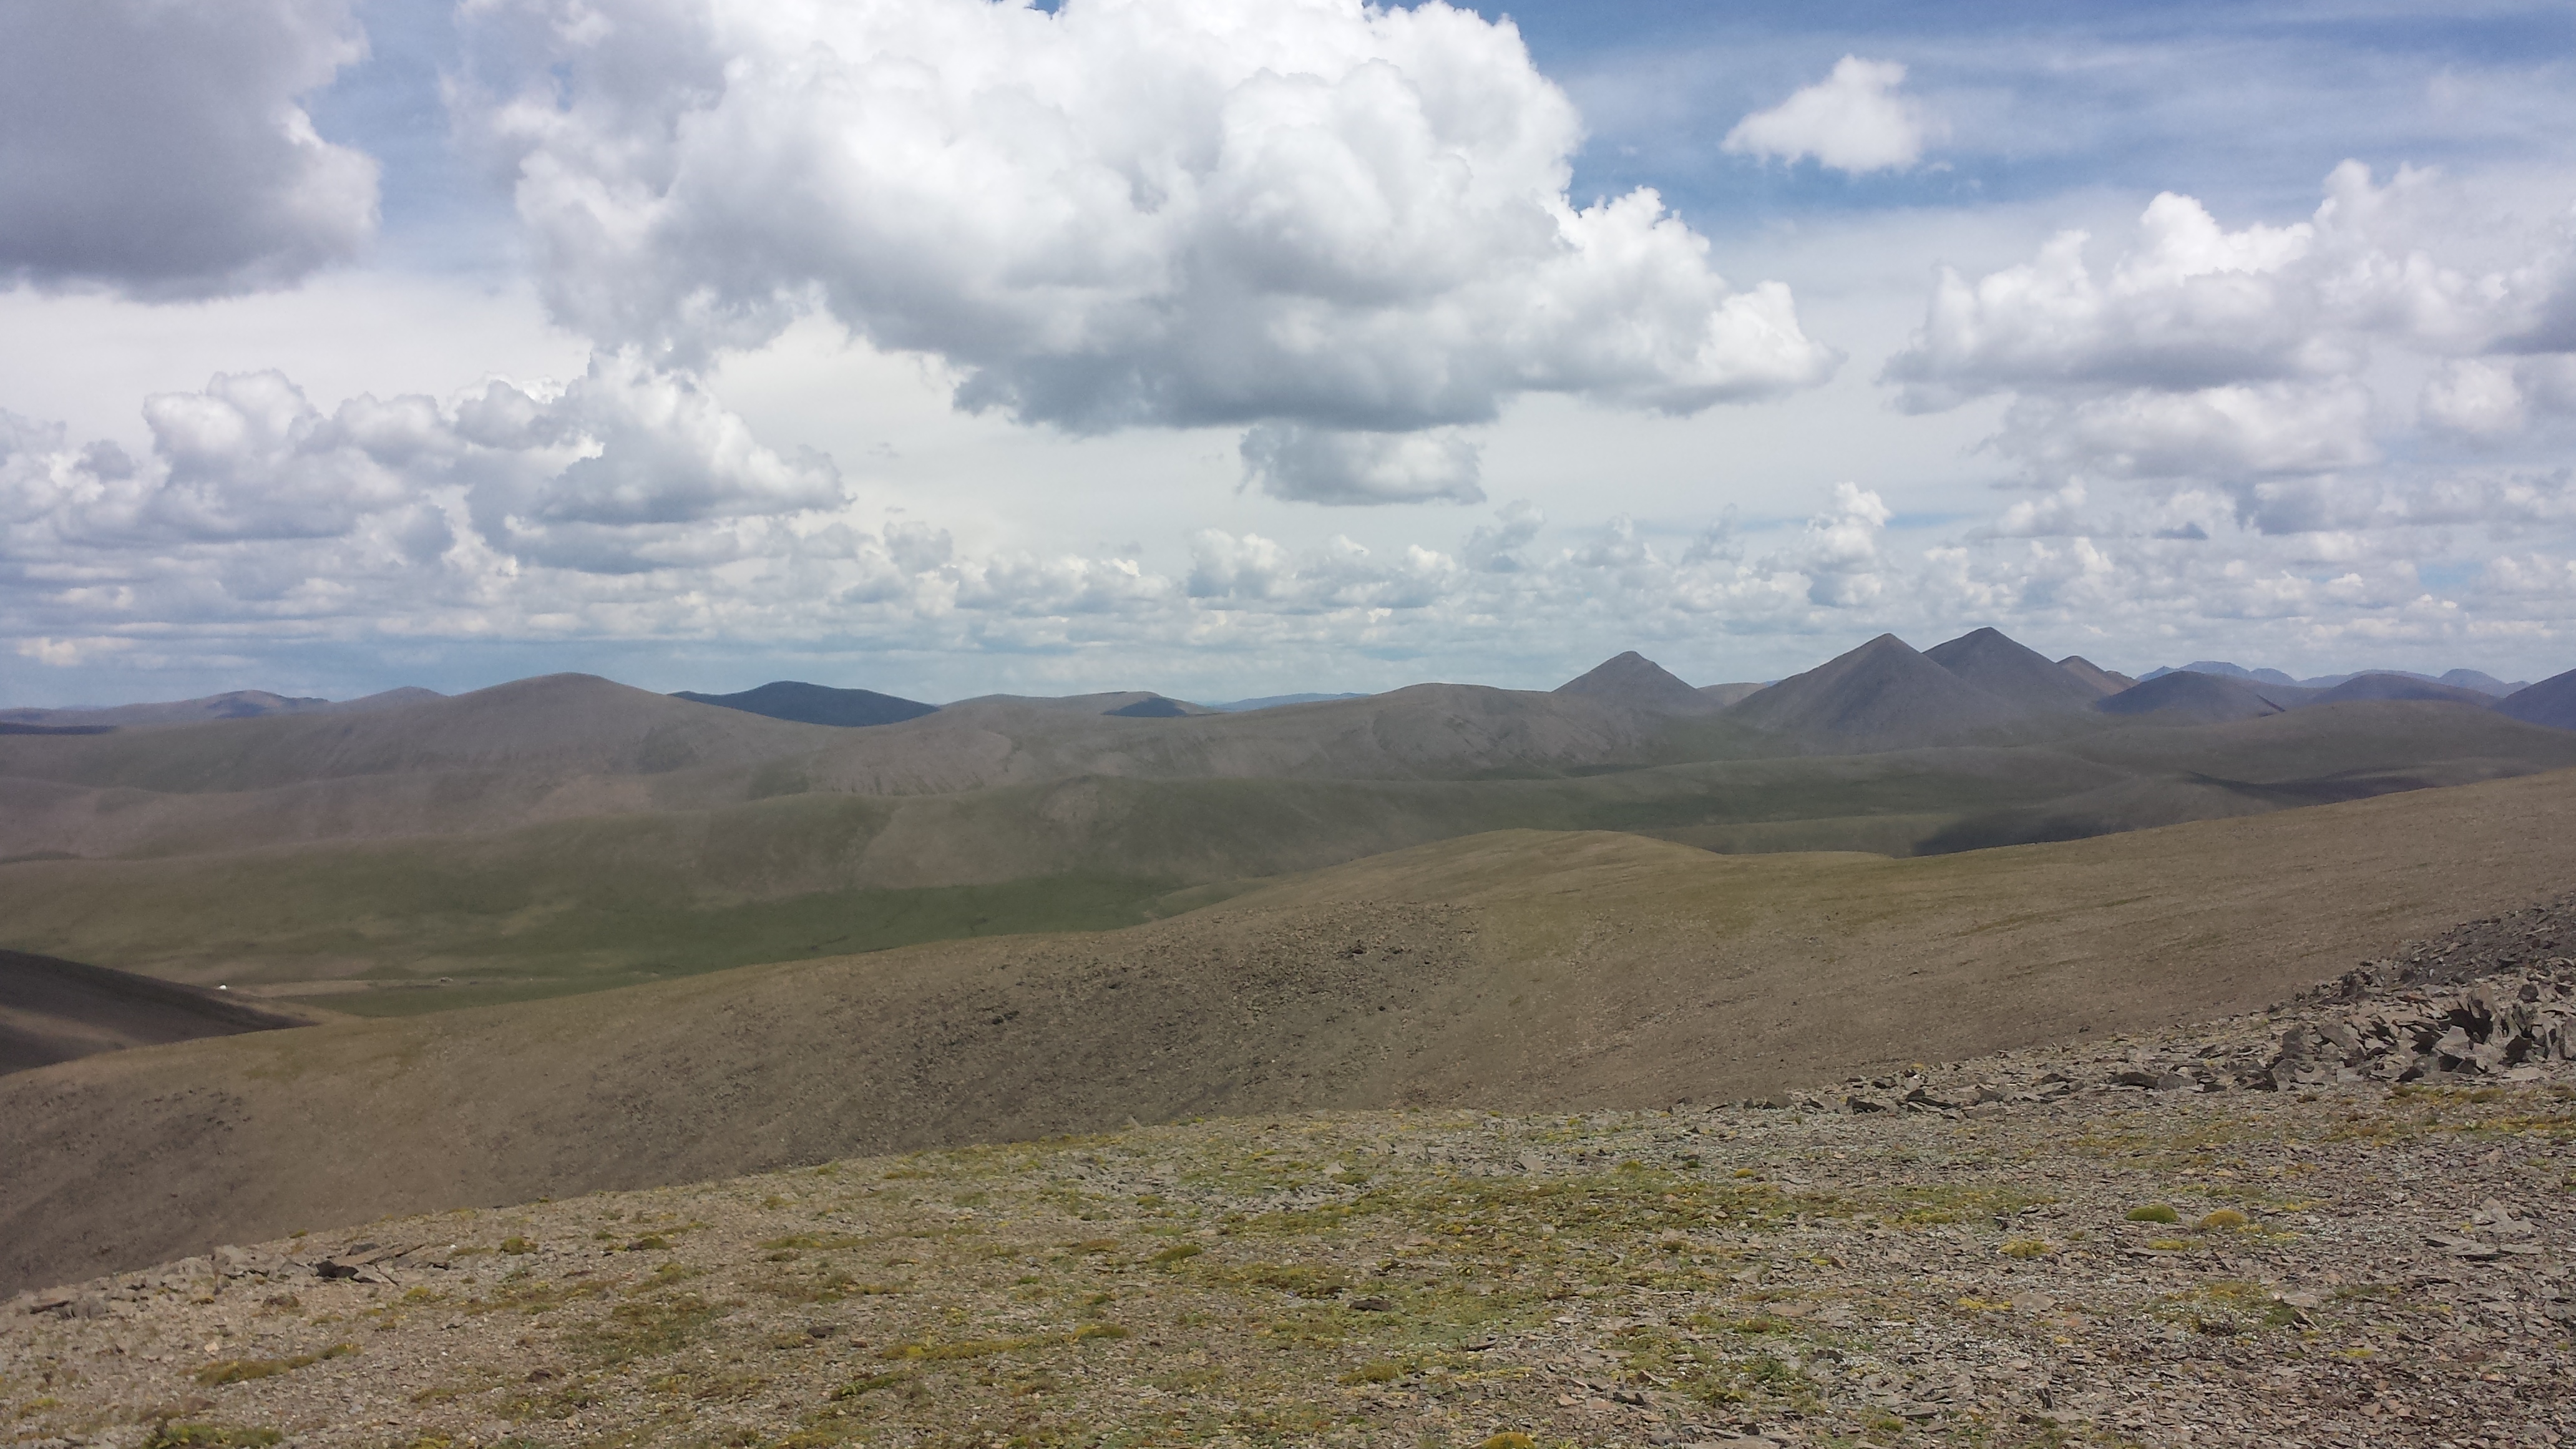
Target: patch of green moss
[[243, 1370], [209, 1436], [645, 1328]]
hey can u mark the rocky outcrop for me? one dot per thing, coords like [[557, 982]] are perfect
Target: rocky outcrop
[[2502, 1027], [2492, 1000]]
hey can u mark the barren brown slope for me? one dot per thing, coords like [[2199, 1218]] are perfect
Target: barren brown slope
[[1524, 969], [53, 1010]]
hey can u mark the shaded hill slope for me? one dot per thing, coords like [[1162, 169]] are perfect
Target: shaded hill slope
[[2222, 669], [819, 704], [2285, 760], [2399, 686], [2551, 702], [2481, 681], [2190, 697], [53, 1010], [2101, 681], [1156, 707], [1536, 970]]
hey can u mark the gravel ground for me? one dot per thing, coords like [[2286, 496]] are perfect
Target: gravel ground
[[2343, 1222]]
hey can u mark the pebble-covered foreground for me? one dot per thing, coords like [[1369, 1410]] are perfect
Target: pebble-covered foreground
[[2089, 1245]]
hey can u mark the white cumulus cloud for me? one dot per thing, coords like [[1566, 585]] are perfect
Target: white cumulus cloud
[[1127, 213], [1840, 556], [2250, 361], [1317, 465], [1852, 121], [158, 147], [2189, 305], [2474, 397], [2235, 431], [605, 474]]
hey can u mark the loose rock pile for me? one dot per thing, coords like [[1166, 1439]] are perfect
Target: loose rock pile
[[2503, 1027]]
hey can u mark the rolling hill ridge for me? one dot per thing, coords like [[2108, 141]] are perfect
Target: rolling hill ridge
[[1526, 969]]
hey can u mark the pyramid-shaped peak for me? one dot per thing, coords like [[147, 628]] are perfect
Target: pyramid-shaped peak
[[1634, 680], [1988, 643], [1882, 695], [1884, 651], [2005, 668]]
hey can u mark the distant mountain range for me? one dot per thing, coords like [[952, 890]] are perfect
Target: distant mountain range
[[1984, 687], [2478, 680], [567, 832], [858, 708], [240, 704], [1984, 659]]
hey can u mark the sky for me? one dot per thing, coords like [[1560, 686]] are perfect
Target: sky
[[1229, 349]]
